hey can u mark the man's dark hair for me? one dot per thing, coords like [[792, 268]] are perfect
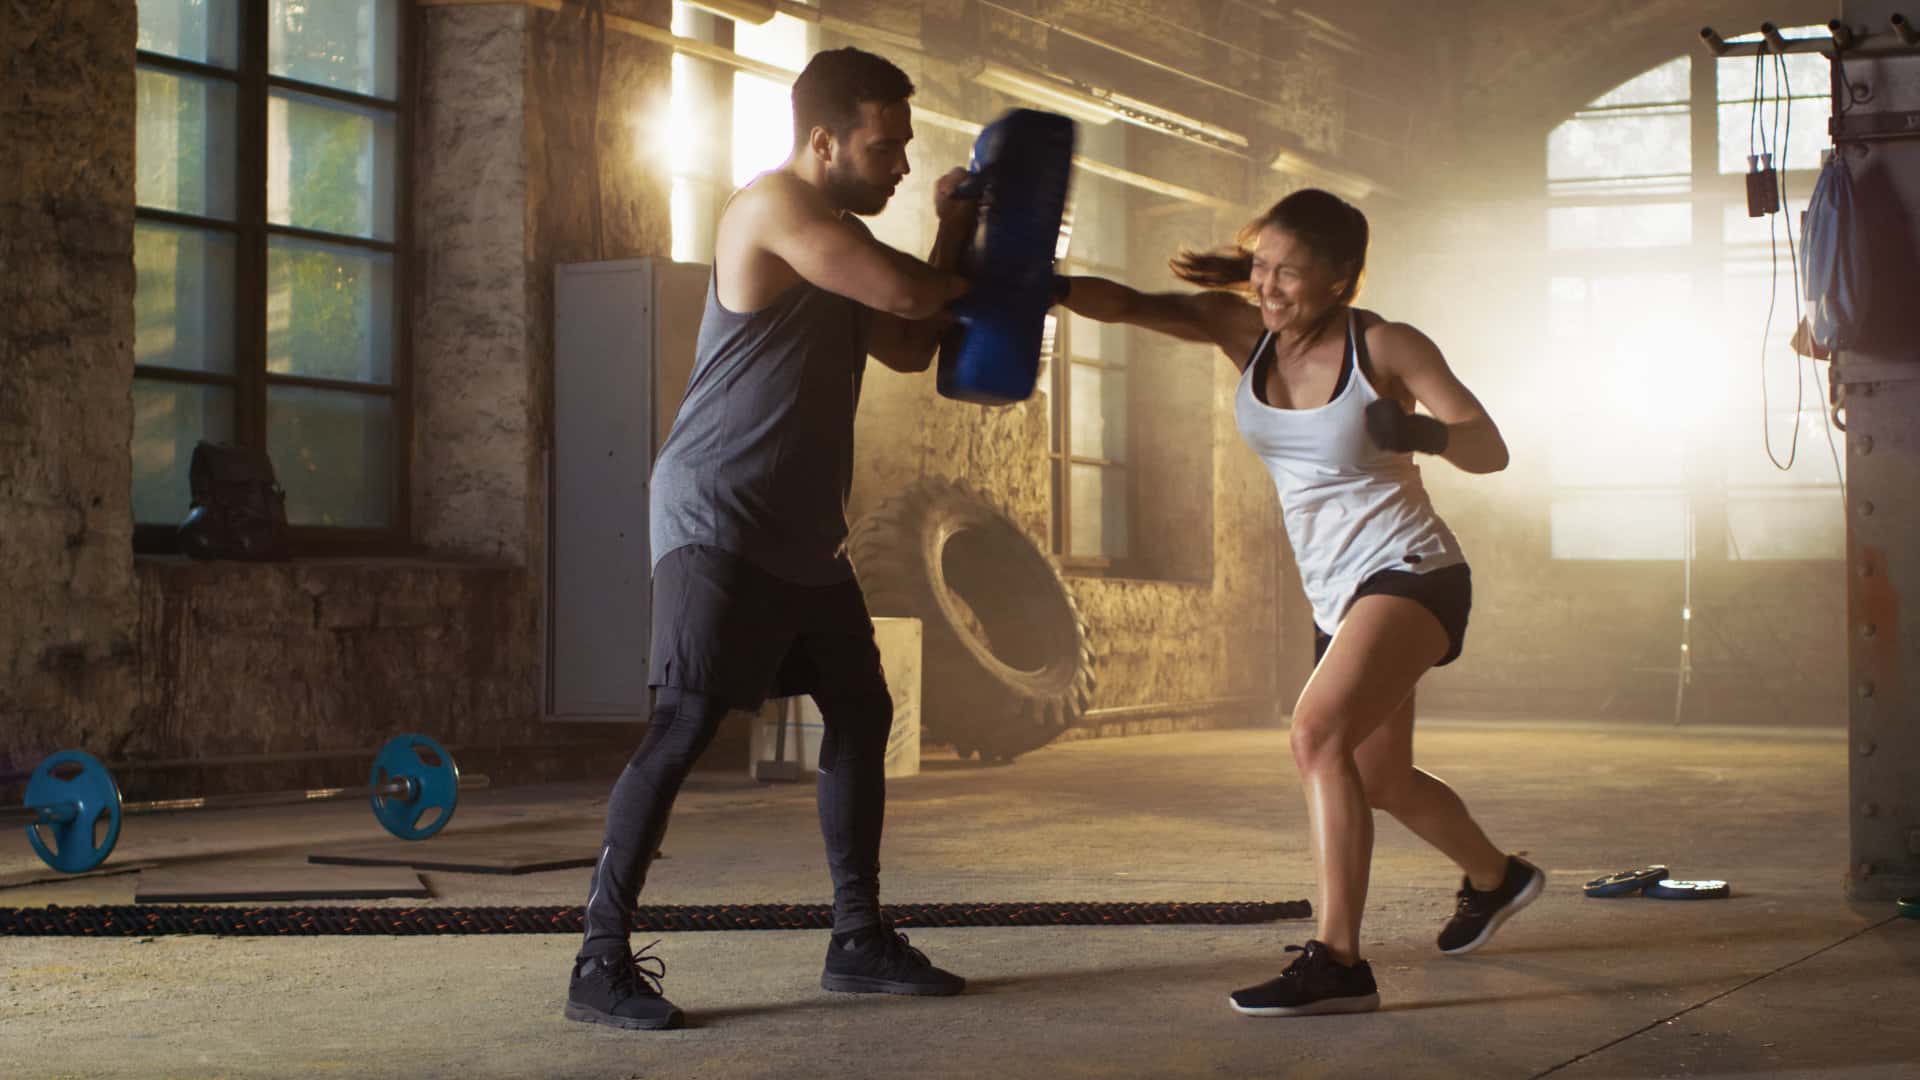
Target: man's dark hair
[[830, 91]]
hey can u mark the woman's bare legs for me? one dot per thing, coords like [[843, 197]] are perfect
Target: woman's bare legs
[[1423, 802], [1352, 739]]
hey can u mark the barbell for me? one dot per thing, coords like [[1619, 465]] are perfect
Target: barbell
[[73, 807]]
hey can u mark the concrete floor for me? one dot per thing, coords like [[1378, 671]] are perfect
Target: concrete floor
[[1785, 979]]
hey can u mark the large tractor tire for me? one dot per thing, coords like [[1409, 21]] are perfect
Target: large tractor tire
[[1006, 660]]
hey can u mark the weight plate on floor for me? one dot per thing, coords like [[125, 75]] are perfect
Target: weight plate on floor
[[1669, 889], [436, 786], [1624, 883], [75, 778], [1908, 906]]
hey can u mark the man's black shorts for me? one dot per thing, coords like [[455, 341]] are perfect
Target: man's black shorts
[[728, 629]]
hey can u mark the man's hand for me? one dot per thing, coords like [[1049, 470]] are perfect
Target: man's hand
[[951, 208]]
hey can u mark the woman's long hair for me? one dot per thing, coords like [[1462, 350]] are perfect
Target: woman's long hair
[[1332, 228]]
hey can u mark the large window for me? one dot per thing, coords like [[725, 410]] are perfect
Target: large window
[[727, 126], [1670, 315], [268, 258]]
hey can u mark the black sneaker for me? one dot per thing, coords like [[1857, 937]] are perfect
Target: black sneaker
[[1479, 914], [878, 960], [1314, 984], [621, 990]]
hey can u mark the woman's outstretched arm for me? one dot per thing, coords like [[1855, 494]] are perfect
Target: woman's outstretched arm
[[1215, 316]]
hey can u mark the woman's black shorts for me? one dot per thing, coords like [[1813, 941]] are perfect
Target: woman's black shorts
[[1447, 592]]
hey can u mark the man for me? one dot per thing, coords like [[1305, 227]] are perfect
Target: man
[[752, 590]]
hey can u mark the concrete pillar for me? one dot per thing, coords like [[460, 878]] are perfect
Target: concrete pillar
[[68, 608]]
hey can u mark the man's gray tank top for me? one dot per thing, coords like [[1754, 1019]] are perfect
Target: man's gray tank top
[[760, 459]]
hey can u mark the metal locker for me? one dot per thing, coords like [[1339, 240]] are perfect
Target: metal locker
[[623, 341]]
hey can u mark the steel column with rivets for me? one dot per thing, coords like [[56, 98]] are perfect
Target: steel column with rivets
[[1879, 385]]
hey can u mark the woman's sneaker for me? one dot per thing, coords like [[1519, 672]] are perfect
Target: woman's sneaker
[[878, 960], [1478, 914], [622, 991], [1314, 984]]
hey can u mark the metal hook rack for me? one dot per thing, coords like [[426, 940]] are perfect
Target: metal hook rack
[[1843, 42], [1902, 38]]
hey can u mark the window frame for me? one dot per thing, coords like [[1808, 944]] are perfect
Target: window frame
[[250, 381], [708, 180], [1060, 361], [1708, 259]]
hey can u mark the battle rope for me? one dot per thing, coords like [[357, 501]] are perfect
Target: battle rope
[[151, 920]]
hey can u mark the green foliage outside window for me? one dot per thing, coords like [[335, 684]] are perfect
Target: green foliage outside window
[[329, 307]]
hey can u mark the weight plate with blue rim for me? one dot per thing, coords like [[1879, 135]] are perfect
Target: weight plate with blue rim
[[1624, 883], [74, 779], [1669, 889], [1908, 906], [435, 782]]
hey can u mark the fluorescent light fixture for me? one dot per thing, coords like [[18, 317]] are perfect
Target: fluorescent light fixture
[[756, 12], [1154, 117], [1059, 95], [1326, 33], [1093, 105], [1319, 174]]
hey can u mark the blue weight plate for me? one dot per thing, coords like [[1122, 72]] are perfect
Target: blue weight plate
[[436, 781], [1908, 906], [76, 779], [1669, 889], [1624, 883]]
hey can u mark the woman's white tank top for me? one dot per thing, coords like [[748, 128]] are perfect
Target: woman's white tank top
[[1350, 508]]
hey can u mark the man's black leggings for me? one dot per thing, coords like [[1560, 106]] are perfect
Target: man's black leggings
[[852, 796]]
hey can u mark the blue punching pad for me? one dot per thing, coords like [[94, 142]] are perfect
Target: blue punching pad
[[1021, 165]]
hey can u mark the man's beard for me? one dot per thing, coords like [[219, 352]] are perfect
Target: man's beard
[[845, 190]]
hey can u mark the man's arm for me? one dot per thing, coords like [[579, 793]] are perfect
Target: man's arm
[[798, 227], [909, 345]]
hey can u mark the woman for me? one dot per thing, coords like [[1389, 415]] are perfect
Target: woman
[[1324, 399]]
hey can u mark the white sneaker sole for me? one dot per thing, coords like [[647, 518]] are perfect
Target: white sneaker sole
[[1323, 1007], [1526, 896]]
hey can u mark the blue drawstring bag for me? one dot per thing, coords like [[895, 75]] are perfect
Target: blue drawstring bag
[[1835, 260]]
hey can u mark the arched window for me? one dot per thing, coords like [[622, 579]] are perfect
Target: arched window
[[1675, 381]]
